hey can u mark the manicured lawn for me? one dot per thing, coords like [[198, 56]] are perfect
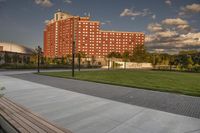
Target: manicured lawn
[[177, 82]]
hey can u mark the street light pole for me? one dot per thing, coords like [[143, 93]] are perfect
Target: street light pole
[[79, 61], [73, 47], [73, 56], [39, 52], [108, 63]]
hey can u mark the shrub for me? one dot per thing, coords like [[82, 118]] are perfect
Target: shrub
[[1, 91]]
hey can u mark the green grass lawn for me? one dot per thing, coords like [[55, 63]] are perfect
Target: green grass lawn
[[177, 82]]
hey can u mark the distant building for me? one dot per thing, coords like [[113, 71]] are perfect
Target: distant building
[[14, 53], [60, 32]]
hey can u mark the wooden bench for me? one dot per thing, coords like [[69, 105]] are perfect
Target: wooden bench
[[24, 121]]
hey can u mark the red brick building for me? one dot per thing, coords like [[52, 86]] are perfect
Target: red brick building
[[60, 32]]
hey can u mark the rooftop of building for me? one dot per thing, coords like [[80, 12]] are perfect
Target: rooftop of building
[[59, 10], [13, 47], [121, 31], [66, 15]]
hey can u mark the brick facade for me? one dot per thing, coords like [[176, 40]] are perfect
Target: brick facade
[[90, 39]]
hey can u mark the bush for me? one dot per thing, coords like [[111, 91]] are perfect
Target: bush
[[196, 68], [1, 89]]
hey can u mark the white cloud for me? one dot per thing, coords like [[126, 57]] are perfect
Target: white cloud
[[189, 9], [178, 23], [193, 8], [191, 38], [168, 2], [87, 14], [182, 27], [108, 22], [68, 1], [133, 13], [174, 43], [167, 33], [174, 21], [154, 27], [171, 34], [45, 3], [130, 12], [150, 38], [46, 21], [153, 16], [133, 18]]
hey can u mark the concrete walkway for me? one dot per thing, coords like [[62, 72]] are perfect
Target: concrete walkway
[[168, 102], [23, 71], [83, 113]]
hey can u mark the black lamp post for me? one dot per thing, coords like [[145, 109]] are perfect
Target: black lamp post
[[39, 50], [73, 57], [73, 48], [108, 63], [79, 61]]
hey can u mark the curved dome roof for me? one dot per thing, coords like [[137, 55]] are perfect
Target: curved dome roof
[[12, 47]]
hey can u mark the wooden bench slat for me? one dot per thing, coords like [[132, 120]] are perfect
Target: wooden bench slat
[[36, 122], [13, 122], [17, 118], [21, 115], [17, 121], [40, 122]]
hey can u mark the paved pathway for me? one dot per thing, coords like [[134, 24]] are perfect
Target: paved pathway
[[23, 71], [168, 102], [82, 113]]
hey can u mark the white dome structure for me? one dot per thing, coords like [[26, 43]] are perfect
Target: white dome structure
[[16, 48]]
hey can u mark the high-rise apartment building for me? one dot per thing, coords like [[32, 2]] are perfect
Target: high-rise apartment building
[[60, 32]]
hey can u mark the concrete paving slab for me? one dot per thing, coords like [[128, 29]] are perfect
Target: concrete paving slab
[[127, 129], [168, 102], [162, 122], [83, 113]]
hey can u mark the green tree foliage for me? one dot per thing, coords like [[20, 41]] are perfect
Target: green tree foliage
[[139, 54], [68, 58], [114, 55], [7, 58], [1, 91], [126, 57], [93, 60], [15, 58], [184, 60], [81, 54], [187, 60]]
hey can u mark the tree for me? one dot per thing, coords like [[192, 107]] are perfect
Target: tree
[[93, 60], [1, 89], [189, 63], [113, 55], [139, 54], [125, 57], [15, 58], [7, 58], [34, 57], [1, 57], [80, 55], [63, 60], [68, 58], [25, 61], [171, 61]]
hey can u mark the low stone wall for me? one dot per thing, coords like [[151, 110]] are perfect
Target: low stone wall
[[129, 65]]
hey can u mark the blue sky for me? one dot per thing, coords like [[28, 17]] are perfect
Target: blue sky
[[166, 22]]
